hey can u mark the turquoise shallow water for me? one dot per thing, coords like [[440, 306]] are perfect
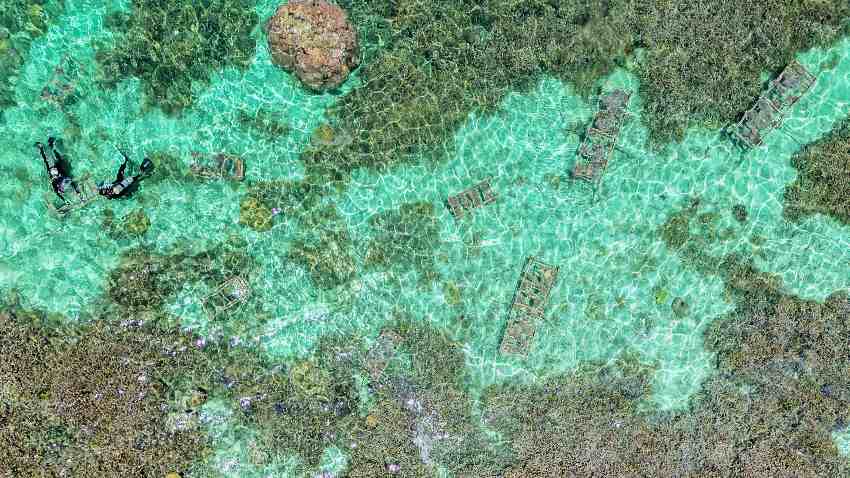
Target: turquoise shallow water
[[604, 238]]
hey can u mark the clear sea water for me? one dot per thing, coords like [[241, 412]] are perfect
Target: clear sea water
[[604, 238]]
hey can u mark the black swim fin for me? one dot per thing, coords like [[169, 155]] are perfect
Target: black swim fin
[[147, 165]]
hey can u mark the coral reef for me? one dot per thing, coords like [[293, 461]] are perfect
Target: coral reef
[[427, 378], [134, 224], [703, 60], [592, 423], [679, 307], [739, 212], [314, 39], [326, 255], [781, 389], [323, 247], [384, 442], [91, 400], [823, 183], [270, 124], [452, 293], [21, 21], [167, 166], [791, 355], [586, 423], [294, 199], [416, 415], [254, 214], [199, 38], [144, 281], [61, 90], [782, 386], [441, 60], [301, 409], [406, 236], [326, 135]]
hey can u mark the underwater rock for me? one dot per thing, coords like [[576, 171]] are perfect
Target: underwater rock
[[137, 222], [327, 257], [254, 214], [327, 135], [451, 292], [314, 39], [739, 211], [679, 307], [271, 124]]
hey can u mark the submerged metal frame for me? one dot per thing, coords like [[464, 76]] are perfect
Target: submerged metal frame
[[530, 298], [598, 144], [238, 283]]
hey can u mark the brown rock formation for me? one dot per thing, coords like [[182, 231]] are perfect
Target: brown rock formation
[[313, 39]]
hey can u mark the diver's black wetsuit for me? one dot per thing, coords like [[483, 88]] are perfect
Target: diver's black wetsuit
[[122, 185], [58, 179]]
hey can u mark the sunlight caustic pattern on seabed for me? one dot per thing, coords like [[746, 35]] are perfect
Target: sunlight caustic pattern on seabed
[[617, 279]]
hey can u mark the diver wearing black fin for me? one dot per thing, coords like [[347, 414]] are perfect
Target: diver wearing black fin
[[59, 180], [124, 185]]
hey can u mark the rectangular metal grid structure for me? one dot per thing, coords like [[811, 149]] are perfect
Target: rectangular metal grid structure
[[88, 194], [528, 305], [231, 293], [769, 110], [599, 141], [220, 166], [474, 197]]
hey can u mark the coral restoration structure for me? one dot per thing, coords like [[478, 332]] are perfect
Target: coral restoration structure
[[601, 136], [529, 304], [769, 111], [474, 197]]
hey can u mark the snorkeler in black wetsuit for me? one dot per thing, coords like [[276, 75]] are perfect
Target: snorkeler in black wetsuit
[[59, 180], [123, 186]]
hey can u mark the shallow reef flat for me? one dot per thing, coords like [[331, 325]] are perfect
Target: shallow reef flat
[[321, 273]]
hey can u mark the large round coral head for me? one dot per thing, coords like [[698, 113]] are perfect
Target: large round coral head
[[314, 40]]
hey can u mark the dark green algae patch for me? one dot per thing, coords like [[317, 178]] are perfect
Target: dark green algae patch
[[21, 22], [700, 63], [823, 180], [170, 45]]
